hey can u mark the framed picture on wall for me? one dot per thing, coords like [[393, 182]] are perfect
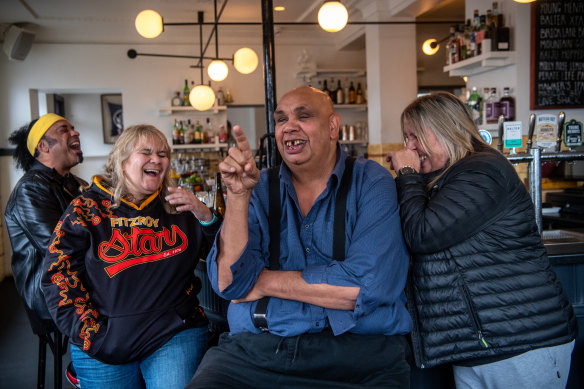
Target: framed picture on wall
[[112, 117]]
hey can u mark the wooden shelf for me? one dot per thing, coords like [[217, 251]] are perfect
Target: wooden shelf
[[354, 107], [308, 74], [166, 111], [204, 146], [481, 63]]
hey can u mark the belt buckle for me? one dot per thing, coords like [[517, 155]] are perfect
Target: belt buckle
[[260, 321]]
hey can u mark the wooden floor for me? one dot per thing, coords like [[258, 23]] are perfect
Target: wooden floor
[[19, 346]]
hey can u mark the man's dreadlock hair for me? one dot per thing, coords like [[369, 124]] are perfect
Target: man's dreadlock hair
[[21, 154]]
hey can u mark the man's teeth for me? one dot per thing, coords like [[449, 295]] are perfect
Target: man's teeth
[[297, 142]]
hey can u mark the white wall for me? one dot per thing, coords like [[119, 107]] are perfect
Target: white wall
[[146, 83]]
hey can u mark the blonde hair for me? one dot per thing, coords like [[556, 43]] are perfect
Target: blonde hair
[[449, 119], [114, 179]]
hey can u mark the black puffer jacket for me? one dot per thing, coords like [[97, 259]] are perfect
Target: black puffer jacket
[[35, 206], [481, 285]]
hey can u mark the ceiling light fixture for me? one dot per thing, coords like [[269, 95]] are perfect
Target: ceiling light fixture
[[431, 46], [332, 16], [150, 24], [279, 8], [524, 1]]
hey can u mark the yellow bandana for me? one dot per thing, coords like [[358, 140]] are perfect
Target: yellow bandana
[[38, 130]]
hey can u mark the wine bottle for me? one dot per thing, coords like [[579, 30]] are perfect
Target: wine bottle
[[181, 134], [186, 92], [359, 96], [340, 93], [175, 135], [198, 137], [325, 88], [218, 207], [352, 96]]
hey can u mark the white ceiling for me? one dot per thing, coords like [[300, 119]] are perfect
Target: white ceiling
[[112, 21]]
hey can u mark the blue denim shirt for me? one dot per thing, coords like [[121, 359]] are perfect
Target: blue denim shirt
[[376, 256]]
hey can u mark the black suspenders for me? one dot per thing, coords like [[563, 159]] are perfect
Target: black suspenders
[[259, 316]]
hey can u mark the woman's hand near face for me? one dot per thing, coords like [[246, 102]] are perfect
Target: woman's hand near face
[[405, 157], [185, 200]]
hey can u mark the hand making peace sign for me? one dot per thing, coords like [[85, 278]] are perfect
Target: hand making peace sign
[[238, 169]]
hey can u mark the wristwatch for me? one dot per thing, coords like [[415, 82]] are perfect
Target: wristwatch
[[406, 170]]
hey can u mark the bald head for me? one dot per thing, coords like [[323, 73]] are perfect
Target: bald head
[[312, 96]]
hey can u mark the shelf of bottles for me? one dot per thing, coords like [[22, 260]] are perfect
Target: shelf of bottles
[[482, 44], [486, 106], [167, 111]]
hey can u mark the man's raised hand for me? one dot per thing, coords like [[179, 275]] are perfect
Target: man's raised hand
[[238, 169]]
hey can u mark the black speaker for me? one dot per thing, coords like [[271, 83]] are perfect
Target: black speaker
[[17, 43]]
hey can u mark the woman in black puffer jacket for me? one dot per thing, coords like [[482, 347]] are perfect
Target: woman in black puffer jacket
[[482, 293]]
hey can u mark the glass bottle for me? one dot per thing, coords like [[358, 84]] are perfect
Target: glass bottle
[[176, 100], [325, 88], [359, 94], [492, 107], [220, 97], [352, 94], [186, 92], [474, 106], [181, 134], [175, 135], [340, 93], [507, 105], [218, 207], [198, 138]]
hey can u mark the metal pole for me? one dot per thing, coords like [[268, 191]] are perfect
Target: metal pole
[[535, 185], [269, 80]]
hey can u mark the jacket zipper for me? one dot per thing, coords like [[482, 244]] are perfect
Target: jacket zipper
[[482, 340]]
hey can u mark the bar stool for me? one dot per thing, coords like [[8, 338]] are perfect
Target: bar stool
[[48, 334]]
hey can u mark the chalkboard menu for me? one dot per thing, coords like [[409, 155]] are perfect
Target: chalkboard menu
[[557, 54]]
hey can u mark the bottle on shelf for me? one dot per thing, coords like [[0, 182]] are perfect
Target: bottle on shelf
[[222, 134], [474, 106], [507, 105], [189, 133], [454, 46], [325, 88], [359, 95], [181, 134], [333, 92], [492, 107], [186, 92], [198, 138], [465, 50], [228, 97], [352, 94], [220, 97], [497, 17], [206, 135], [218, 207], [346, 91], [176, 101], [175, 134], [340, 93]]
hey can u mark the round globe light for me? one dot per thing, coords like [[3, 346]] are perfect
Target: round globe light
[[332, 16], [149, 23], [524, 1], [202, 97], [430, 47], [245, 60], [217, 70]]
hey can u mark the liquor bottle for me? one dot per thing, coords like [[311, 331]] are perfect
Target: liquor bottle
[[218, 207], [346, 91], [492, 107], [474, 106], [359, 95], [352, 96], [176, 100], [175, 135], [181, 134], [198, 138], [333, 92], [220, 97], [448, 50], [186, 92], [497, 17], [205, 131], [228, 97], [454, 46], [465, 50], [222, 134], [507, 105], [189, 132], [340, 93], [325, 88]]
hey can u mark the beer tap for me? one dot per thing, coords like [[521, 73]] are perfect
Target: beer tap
[[501, 125], [530, 133], [561, 119]]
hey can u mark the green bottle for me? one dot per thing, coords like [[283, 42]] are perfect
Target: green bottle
[[186, 92]]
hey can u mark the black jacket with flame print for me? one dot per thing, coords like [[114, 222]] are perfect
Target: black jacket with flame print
[[120, 282]]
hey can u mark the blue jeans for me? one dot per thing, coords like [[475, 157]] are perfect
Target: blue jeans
[[171, 366]]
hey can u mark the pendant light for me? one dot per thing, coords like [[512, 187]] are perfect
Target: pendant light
[[202, 97], [524, 1], [149, 24], [245, 60], [332, 16]]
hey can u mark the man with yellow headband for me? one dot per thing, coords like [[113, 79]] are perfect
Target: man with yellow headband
[[46, 149]]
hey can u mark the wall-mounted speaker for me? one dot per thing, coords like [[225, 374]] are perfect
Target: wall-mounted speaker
[[17, 43]]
